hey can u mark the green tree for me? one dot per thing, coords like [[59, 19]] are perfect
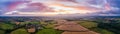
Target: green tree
[[2, 32], [106, 32], [19, 31], [6, 26], [102, 31], [49, 24], [49, 31], [88, 24], [33, 22]]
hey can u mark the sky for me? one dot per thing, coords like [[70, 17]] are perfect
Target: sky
[[59, 7]]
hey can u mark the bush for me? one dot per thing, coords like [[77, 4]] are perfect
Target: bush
[[88, 24], [106, 32], [19, 31], [102, 31], [48, 24], [49, 31], [2, 32], [33, 22], [6, 26]]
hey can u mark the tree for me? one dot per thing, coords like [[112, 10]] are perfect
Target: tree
[[49, 31], [19, 31], [102, 31], [33, 22], [2, 32], [6, 26], [88, 24], [49, 26]]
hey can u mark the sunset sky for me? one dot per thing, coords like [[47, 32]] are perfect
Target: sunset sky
[[58, 7]]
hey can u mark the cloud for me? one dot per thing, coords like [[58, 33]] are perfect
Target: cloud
[[61, 6]]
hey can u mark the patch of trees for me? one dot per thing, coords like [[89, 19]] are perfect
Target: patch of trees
[[49, 31], [110, 24], [94, 27]]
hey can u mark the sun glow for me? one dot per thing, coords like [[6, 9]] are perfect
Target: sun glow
[[71, 10], [55, 7]]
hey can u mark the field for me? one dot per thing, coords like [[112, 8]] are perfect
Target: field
[[35, 25]]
